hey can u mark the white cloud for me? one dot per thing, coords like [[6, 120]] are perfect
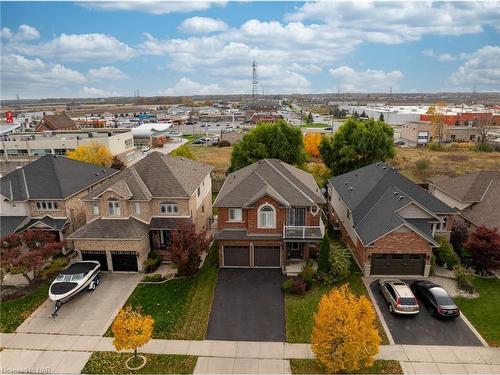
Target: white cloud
[[23, 33], [481, 70], [202, 25], [185, 87], [79, 47], [350, 80], [97, 93], [153, 7], [105, 73]]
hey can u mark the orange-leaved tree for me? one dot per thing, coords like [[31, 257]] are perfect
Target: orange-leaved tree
[[311, 143], [131, 329], [344, 336], [93, 153]]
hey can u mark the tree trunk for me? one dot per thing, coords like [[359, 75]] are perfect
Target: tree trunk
[[27, 278], [135, 352]]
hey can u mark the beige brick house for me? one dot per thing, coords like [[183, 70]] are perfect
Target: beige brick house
[[269, 216], [46, 194], [387, 221], [135, 211]]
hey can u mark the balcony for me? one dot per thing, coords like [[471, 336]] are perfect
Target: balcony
[[294, 232]]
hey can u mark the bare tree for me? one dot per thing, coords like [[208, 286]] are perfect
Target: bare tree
[[484, 124], [437, 114]]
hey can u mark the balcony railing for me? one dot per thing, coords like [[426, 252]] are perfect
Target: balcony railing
[[302, 232]]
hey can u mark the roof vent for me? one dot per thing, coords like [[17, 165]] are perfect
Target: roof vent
[[182, 158], [103, 171], [345, 183], [401, 197], [351, 188], [97, 174], [384, 167], [395, 193], [378, 164]]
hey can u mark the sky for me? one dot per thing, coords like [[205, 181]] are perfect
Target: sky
[[101, 49]]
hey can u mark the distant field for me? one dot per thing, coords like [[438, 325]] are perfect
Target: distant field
[[219, 157], [451, 162]]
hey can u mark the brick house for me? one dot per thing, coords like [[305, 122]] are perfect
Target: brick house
[[135, 211], [269, 215], [56, 122], [474, 195], [388, 222], [46, 194]]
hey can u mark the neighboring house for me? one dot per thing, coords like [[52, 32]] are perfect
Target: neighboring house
[[46, 193], [56, 122], [476, 196], [135, 211], [418, 133], [269, 214], [387, 221]]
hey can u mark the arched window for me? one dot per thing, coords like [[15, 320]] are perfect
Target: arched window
[[114, 207], [267, 217]]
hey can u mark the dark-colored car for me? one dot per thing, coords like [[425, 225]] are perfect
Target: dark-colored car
[[437, 300], [399, 143], [199, 142]]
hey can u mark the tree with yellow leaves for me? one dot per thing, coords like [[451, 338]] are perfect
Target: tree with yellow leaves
[[93, 153], [437, 115], [344, 336], [131, 329], [311, 143]]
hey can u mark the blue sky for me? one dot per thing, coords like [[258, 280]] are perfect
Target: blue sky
[[98, 49]]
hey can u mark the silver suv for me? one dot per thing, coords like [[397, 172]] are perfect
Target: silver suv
[[399, 297]]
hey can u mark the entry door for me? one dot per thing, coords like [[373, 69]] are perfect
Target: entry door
[[295, 250]]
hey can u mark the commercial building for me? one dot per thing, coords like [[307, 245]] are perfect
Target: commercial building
[[418, 133]]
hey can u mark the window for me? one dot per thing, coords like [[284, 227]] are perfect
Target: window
[[348, 214], [113, 207], [47, 206], [297, 216], [199, 191], [137, 208], [442, 226], [202, 208], [267, 217], [169, 208], [235, 214], [95, 208]]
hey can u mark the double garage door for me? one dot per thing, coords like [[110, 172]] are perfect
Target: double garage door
[[397, 264], [263, 256], [121, 260]]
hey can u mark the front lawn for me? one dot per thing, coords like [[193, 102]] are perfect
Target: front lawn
[[13, 313], [299, 310], [114, 363], [312, 366], [180, 307], [483, 312]]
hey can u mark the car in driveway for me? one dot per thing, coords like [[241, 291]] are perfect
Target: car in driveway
[[398, 296], [435, 299]]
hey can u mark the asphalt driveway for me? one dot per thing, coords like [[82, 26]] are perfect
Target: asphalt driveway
[[248, 306], [88, 313], [423, 329]]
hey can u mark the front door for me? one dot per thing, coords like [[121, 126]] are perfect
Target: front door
[[295, 250], [164, 238]]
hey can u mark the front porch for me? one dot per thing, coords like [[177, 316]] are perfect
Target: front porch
[[160, 234], [297, 255], [294, 267]]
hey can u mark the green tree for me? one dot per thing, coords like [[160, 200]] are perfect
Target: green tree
[[356, 144], [381, 117], [324, 255], [309, 119], [277, 140], [182, 151]]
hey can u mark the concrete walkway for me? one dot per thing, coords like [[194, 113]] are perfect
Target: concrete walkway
[[22, 350]]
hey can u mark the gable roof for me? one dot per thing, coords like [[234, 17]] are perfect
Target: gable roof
[[287, 184], [52, 177], [130, 228], [9, 224], [467, 188], [156, 175], [374, 193], [56, 122]]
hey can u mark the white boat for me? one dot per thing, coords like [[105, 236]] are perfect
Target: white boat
[[79, 276]]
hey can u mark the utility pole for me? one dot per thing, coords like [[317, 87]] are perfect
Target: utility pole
[[254, 80]]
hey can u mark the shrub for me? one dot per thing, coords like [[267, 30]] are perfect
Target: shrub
[[422, 164], [294, 285], [484, 245], [345, 337], [224, 143], [182, 151], [324, 254], [340, 261], [152, 262], [433, 264], [287, 285], [153, 278], [308, 272], [465, 277], [434, 146], [483, 147], [58, 263], [443, 253]]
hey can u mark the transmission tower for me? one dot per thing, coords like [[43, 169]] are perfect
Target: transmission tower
[[254, 79]]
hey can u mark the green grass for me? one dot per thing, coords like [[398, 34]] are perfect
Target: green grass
[[312, 366], [483, 312], [13, 313], [114, 363], [299, 310], [180, 307], [315, 125]]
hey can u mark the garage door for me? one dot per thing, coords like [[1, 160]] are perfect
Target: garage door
[[100, 256], [124, 260], [267, 256], [236, 256], [397, 264]]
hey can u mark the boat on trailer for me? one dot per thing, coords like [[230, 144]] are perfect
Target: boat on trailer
[[76, 278]]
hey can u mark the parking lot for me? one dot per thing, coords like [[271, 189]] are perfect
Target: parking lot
[[423, 329]]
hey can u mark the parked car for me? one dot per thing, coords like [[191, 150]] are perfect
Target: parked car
[[435, 299], [145, 149], [399, 142], [215, 141], [199, 141], [329, 129], [399, 297]]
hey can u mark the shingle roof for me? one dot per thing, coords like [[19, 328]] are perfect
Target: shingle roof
[[374, 193], [168, 222], [9, 224], [292, 186], [100, 228], [56, 122], [486, 212], [242, 234], [55, 224], [52, 177], [467, 188], [157, 175]]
